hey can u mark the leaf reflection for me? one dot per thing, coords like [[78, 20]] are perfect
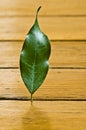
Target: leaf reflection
[[35, 119]]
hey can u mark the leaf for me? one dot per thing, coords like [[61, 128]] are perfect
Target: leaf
[[34, 57]]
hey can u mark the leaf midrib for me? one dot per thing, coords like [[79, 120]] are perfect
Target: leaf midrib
[[33, 72]]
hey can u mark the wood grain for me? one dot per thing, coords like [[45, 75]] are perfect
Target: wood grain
[[64, 22], [59, 84], [56, 28], [50, 7], [63, 54], [20, 115]]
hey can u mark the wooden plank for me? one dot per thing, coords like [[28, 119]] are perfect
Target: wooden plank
[[68, 54], [53, 7], [57, 28], [20, 115], [59, 84], [63, 54]]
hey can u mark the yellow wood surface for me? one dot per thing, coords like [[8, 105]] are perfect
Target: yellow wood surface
[[57, 28], [63, 54], [20, 115], [59, 84], [50, 7], [64, 22]]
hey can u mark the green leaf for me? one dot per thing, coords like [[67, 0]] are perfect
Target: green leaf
[[34, 57]]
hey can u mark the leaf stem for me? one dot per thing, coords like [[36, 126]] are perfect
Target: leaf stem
[[31, 99]]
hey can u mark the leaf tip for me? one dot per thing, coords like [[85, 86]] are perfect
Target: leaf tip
[[36, 21], [38, 10]]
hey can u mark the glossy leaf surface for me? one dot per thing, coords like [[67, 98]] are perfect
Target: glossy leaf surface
[[34, 57]]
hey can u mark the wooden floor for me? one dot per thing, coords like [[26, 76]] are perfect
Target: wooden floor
[[60, 103]]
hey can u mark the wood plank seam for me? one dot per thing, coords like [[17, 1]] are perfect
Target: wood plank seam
[[62, 15], [70, 68], [39, 99]]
